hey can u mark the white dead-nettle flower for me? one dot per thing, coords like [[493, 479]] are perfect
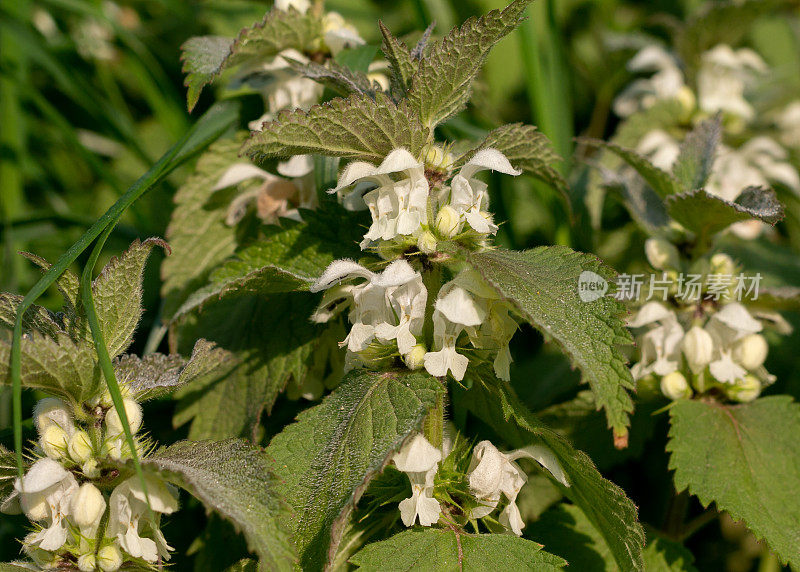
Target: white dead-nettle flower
[[278, 196], [388, 305], [88, 507], [129, 517], [455, 310], [53, 420], [419, 460], [675, 386], [492, 473], [660, 344], [398, 199], [788, 123], [698, 347], [44, 494], [724, 77], [662, 254], [661, 148], [666, 82], [109, 558], [469, 197], [113, 422], [301, 6], [339, 34], [730, 325]]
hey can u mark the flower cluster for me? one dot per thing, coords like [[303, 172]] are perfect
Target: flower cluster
[[84, 512], [413, 211], [493, 477]]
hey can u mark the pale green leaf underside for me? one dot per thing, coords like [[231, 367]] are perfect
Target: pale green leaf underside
[[746, 459], [445, 550], [8, 472], [697, 154], [325, 460], [543, 284], [233, 478]]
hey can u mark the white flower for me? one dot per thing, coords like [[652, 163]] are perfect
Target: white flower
[[397, 207], [661, 254], [723, 78], [665, 83], [788, 122], [44, 495], [419, 460], [729, 325], [109, 558], [492, 473], [751, 351], [129, 507], [113, 423], [698, 347], [661, 344], [469, 196], [88, 507], [746, 389], [661, 148], [675, 386], [53, 420], [455, 309], [338, 33], [408, 303], [301, 6]]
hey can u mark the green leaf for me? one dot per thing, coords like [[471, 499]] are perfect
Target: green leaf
[[401, 64], [706, 215], [117, 294], [745, 458], [37, 320], [272, 340], [68, 286], [326, 459], [663, 183], [289, 257], [442, 85], [611, 513], [354, 128], [697, 154], [156, 375], [338, 77], [197, 233], [543, 285], [204, 58], [233, 478], [526, 148], [450, 550], [662, 555], [8, 472]]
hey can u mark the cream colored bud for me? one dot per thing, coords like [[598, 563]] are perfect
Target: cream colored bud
[[662, 254], [80, 447], [722, 264], [675, 386], [113, 449], [686, 98], [105, 398], [415, 359], [746, 390], [134, 412], [109, 558], [90, 469], [698, 347], [54, 442], [88, 505], [448, 222], [426, 242], [437, 158], [52, 411], [87, 563], [751, 351]]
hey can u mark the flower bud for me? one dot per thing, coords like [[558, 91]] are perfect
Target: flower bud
[[751, 351], [52, 411], [90, 469], [661, 254], [113, 449], [426, 242], [746, 389], [54, 442], [105, 398], [87, 563], [698, 347], [80, 447], [722, 264], [415, 358], [688, 101], [134, 412], [88, 505], [437, 158], [675, 386], [448, 222], [109, 558]]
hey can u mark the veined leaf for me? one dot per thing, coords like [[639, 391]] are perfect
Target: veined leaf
[[354, 128], [543, 285], [233, 478], [8, 472], [336, 76], [401, 64], [745, 458], [325, 459], [443, 84], [205, 57], [698, 151], [37, 320], [662, 555], [450, 550]]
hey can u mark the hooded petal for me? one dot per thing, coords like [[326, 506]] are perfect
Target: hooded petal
[[239, 172], [459, 307], [736, 316], [488, 159], [545, 457], [339, 270], [417, 455]]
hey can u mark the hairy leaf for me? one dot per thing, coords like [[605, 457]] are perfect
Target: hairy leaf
[[745, 458], [401, 64], [543, 284], [443, 84], [698, 151], [450, 550], [204, 58], [8, 472], [36, 321], [233, 478], [68, 285], [354, 128], [662, 555], [340, 78], [327, 457]]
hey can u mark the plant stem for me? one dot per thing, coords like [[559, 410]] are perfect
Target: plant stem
[[432, 279], [676, 513]]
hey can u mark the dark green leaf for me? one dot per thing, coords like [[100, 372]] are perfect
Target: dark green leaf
[[698, 151], [401, 64]]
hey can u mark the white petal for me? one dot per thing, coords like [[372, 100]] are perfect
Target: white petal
[[42, 475], [649, 313], [417, 455], [460, 308], [486, 470], [428, 509], [725, 370], [511, 519], [737, 317], [353, 172], [339, 270], [545, 457], [396, 161], [239, 172], [397, 273], [161, 498], [297, 166], [488, 159]]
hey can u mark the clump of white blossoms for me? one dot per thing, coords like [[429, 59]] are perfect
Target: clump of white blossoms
[[494, 480], [74, 488], [714, 344], [414, 211]]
